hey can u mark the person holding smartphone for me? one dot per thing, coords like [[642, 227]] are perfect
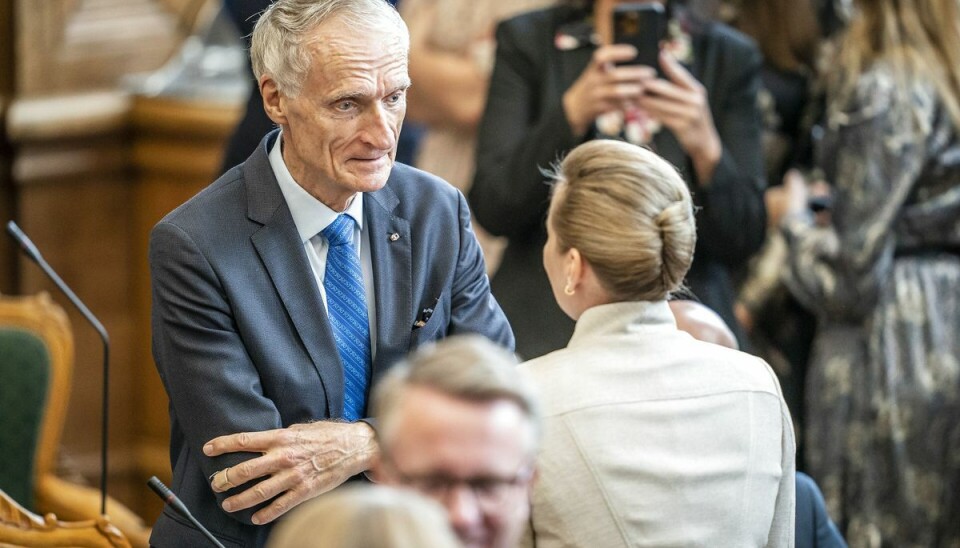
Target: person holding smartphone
[[560, 79]]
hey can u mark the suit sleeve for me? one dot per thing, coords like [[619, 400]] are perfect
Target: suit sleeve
[[213, 385], [473, 307], [518, 137], [732, 222]]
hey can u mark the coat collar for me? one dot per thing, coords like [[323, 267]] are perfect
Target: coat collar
[[622, 318]]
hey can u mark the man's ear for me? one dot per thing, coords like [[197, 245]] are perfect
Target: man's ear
[[274, 102]]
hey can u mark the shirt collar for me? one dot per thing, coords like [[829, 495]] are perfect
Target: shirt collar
[[310, 215]]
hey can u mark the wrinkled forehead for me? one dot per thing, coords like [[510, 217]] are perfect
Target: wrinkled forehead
[[348, 55], [381, 31]]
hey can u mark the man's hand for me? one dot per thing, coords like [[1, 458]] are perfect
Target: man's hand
[[299, 462]]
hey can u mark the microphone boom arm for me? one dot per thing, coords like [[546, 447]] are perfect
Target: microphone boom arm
[[31, 251]]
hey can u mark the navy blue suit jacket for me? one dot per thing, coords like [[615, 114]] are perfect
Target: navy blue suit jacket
[[240, 334], [814, 528]]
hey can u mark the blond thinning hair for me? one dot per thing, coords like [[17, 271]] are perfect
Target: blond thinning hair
[[464, 367], [919, 39], [630, 215], [366, 516], [279, 44]]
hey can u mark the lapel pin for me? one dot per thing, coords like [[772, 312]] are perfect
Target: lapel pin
[[394, 237]]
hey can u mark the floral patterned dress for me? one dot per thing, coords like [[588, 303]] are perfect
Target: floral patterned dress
[[883, 388]]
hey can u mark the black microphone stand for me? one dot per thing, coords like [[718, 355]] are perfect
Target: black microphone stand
[[31, 251], [168, 497]]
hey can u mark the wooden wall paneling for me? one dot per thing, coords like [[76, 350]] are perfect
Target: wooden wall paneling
[[8, 256], [89, 252], [71, 168], [70, 45], [6, 47], [67, 175], [177, 149], [8, 251]]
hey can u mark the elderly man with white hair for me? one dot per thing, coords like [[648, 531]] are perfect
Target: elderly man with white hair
[[460, 424], [287, 288]]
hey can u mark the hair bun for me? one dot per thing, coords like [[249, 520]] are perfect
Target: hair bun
[[629, 213], [678, 238]]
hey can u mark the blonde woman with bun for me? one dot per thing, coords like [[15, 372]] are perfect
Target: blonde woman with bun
[[366, 516], [651, 438]]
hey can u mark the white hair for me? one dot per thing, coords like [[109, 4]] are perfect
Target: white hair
[[277, 46]]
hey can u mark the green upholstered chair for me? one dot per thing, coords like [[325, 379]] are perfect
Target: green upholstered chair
[[24, 379], [36, 370], [36, 353]]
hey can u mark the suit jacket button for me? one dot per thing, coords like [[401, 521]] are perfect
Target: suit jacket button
[[394, 237]]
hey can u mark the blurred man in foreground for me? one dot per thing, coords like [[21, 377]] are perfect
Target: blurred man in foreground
[[459, 424]]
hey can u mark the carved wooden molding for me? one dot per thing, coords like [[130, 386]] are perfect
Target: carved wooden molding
[[187, 131], [20, 527], [68, 116], [185, 118], [62, 137], [75, 502]]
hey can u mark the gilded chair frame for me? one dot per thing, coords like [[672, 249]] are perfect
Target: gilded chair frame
[[21, 527]]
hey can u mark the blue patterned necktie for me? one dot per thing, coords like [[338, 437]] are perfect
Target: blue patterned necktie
[[347, 310]]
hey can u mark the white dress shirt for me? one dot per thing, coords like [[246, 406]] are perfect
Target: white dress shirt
[[311, 216], [652, 438]]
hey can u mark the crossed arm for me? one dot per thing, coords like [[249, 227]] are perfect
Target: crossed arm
[[215, 390], [300, 462]]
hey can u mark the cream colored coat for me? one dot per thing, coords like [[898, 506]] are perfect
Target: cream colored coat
[[653, 438]]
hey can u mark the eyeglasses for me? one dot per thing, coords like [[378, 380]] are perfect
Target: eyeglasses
[[488, 490]]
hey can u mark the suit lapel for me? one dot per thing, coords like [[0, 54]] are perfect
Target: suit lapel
[[279, 246], [391, 255]]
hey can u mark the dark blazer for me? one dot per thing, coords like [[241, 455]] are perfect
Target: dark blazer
[[240, 335], [524, 129]]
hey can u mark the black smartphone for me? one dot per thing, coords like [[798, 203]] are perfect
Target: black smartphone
[[643, 26], [820, 203]]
